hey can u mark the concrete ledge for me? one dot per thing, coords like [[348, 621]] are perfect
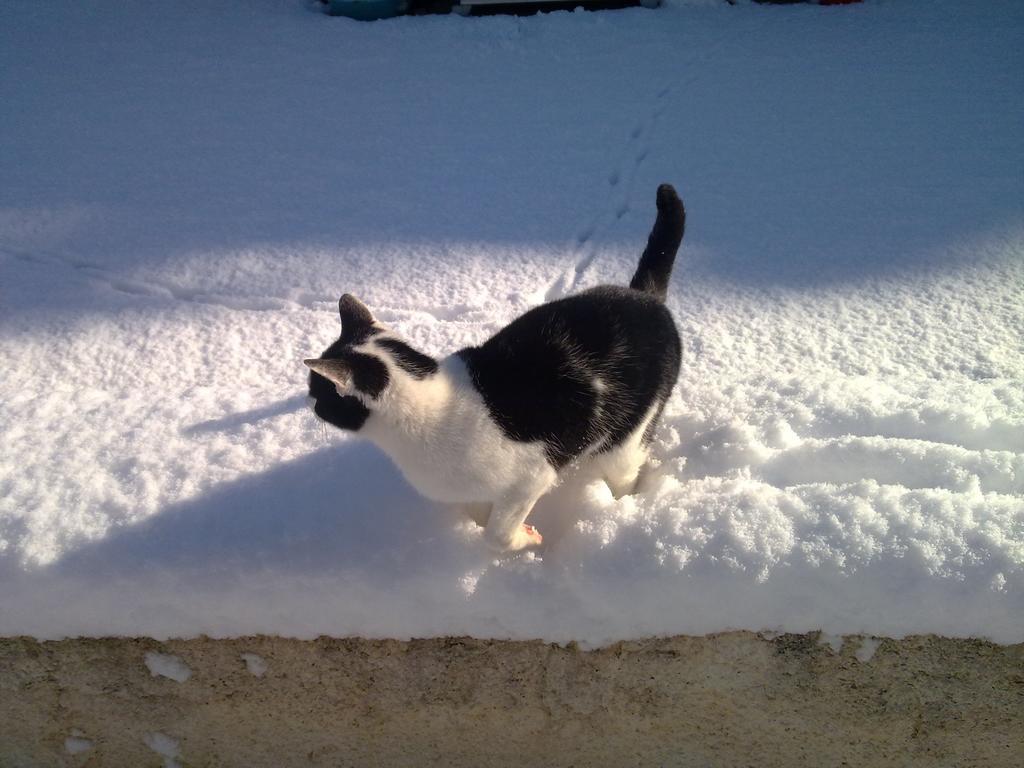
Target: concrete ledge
[[734, 699]]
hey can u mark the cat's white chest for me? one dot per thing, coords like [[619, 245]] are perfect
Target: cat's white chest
[[448, 447]]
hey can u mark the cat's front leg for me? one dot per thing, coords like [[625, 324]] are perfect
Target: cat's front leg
[[506, 530]]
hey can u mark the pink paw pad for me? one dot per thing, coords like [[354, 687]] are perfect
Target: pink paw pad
[[533, 533]]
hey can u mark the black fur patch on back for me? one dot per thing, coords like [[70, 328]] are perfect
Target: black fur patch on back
[[579, 373], [413, 362]]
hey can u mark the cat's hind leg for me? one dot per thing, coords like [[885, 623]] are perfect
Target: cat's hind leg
[[620, 467]]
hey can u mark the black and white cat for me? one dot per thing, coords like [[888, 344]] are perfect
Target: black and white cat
[[584, 378]]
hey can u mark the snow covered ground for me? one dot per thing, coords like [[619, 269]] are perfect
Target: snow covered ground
[[188, 187]]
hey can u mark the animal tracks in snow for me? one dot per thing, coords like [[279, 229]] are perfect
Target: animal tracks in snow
[[156, 289], [620, 185], [163, 290], [621, 178]]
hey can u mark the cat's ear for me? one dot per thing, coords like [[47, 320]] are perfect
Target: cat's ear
[[355, 315], [338, 372]]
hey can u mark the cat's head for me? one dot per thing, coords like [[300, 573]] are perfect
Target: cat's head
[[362, 370]]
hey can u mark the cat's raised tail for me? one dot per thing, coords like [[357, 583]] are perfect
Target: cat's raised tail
[[655, 266]]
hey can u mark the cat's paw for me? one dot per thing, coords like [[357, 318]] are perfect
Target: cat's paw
[[533, 536], [519, 538], [526, 536]]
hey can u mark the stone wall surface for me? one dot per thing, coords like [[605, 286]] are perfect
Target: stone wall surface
[[733, 699]]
